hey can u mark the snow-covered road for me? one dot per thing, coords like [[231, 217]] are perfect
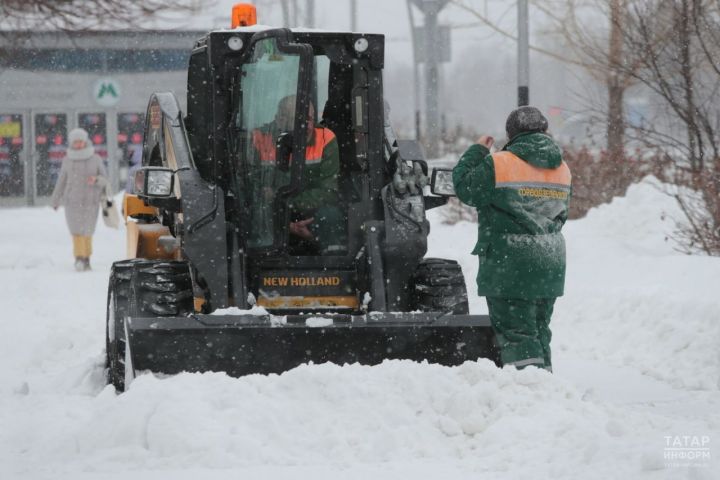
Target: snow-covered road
[[636, 355]]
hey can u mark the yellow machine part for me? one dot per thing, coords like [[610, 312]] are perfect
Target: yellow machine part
[[349, 301], [133, 206], [142, 238], [142, 241], [198, 303]]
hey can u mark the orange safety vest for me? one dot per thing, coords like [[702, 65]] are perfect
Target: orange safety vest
[[265, 145], [512, 171]]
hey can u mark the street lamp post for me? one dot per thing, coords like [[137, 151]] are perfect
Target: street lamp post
[[523, 55], [353, 15]]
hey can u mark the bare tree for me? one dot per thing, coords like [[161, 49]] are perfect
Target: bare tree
[[671, 49], [682, 70], [20, 18], [588, 35], [616, 82], [86, 14], [592, 32]]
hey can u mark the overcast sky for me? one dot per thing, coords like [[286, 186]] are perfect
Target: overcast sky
[[389, 17], [479, 85]]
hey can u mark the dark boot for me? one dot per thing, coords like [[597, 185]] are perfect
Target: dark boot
[[86, 264]]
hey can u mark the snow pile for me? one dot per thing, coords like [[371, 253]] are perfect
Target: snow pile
[[486, 418], [635, 352], [633, 299], [52, 316], [318, 322]]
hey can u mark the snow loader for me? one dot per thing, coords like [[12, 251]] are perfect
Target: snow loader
[[214, 279]]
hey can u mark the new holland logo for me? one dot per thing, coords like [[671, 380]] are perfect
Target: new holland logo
[[301, 281], [106, 92]]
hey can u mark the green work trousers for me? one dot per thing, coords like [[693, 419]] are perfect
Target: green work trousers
[[522, 328]]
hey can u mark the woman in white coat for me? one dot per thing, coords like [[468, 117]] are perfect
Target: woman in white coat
[[81, 183]]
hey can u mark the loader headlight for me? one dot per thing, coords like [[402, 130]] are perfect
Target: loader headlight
[[154, 181], [361, 44], [159, 183], [235, 43]]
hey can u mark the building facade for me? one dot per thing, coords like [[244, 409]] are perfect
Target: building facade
[[52, 82]]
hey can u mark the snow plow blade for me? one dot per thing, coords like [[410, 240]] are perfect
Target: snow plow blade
[[248, 344]]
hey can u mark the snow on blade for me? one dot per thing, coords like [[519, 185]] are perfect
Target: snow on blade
[[256, 311], [318, 322]]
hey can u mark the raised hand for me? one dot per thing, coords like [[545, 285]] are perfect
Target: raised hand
[[486, 141]]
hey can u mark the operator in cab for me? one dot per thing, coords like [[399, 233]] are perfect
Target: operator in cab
[[316, 222]]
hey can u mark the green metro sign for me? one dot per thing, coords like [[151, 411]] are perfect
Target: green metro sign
[[106, 92], [107, 89]]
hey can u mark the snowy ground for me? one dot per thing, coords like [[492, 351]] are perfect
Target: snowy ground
[[636, 353]]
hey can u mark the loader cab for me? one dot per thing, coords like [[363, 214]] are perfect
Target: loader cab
[[318, 166]]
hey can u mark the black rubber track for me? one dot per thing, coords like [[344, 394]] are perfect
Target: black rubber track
[[142, 288], [439, 286]]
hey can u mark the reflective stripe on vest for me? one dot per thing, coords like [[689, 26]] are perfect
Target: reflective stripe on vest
[[513, 172], [265, 145], [528, 361]]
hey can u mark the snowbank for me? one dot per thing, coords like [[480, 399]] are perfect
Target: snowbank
[[635, 353], [325, 414], [635, 298]]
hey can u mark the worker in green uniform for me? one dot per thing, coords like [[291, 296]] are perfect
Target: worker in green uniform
[[317, 224], [521, 194]]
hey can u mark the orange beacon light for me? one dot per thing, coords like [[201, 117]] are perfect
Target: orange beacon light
[[243, 15]]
